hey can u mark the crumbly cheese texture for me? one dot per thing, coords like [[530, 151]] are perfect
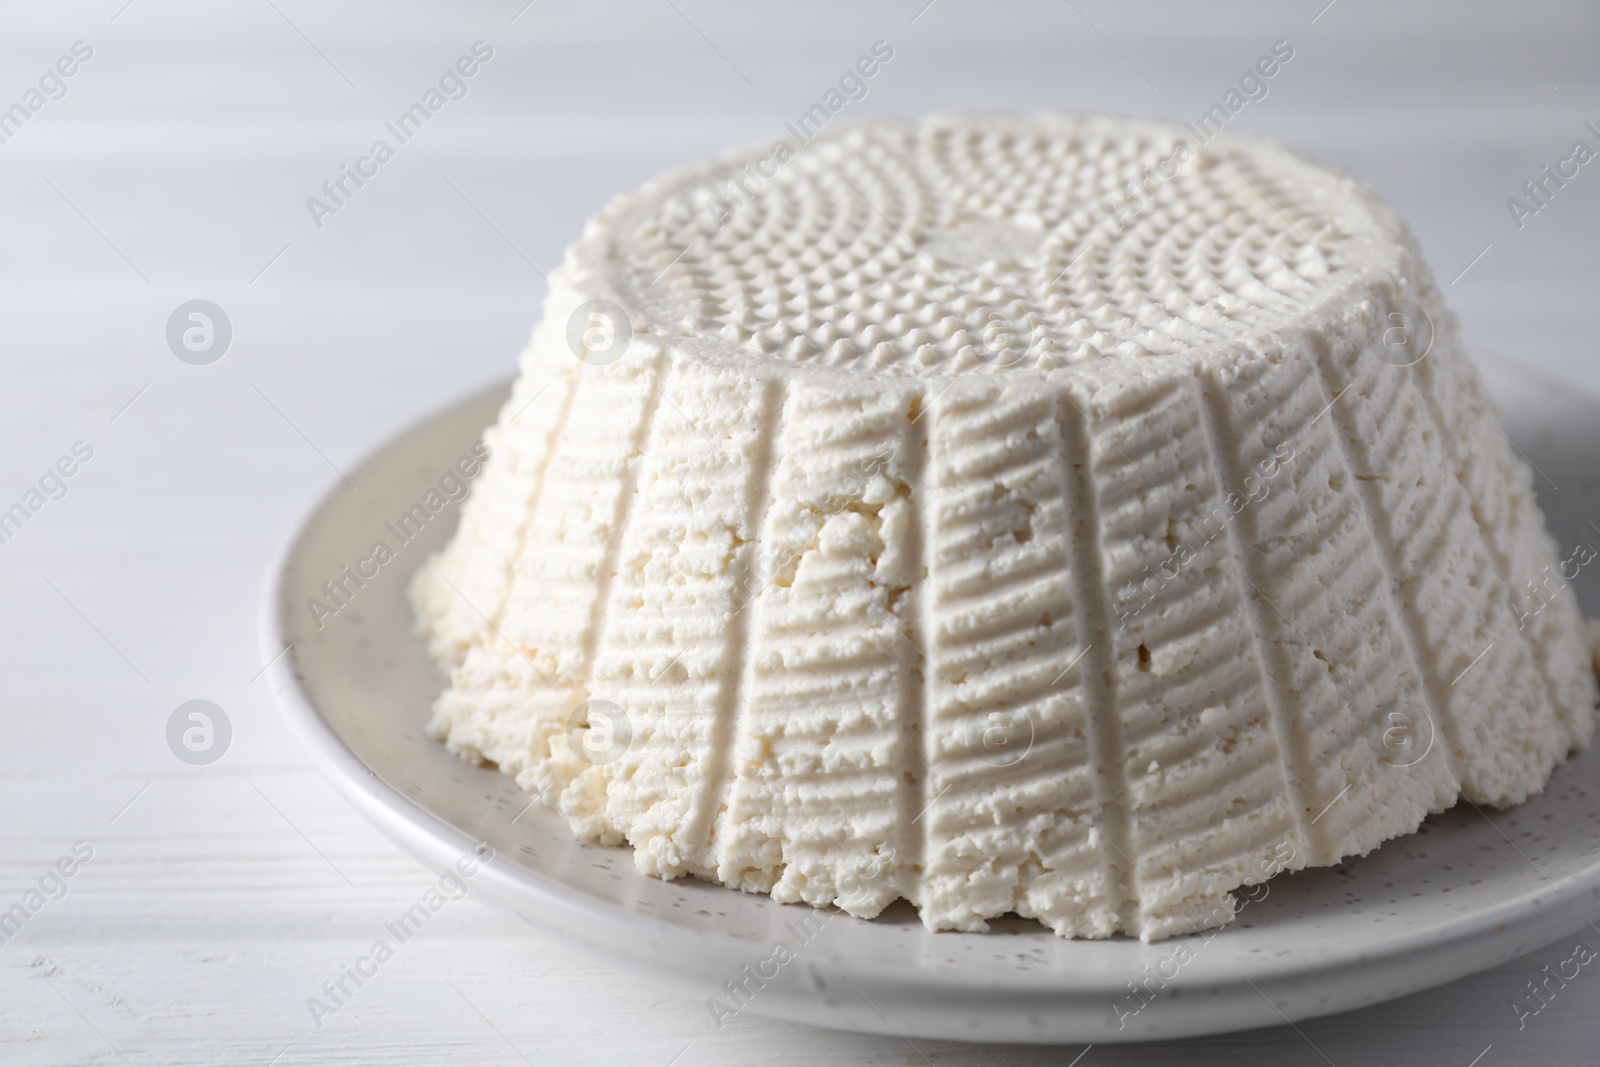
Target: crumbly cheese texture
[[1012, 515]]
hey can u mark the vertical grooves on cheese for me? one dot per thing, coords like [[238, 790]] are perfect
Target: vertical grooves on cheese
[[818, 785], [1487, 534], [1098, 670], [1490, 537], [535, 493], [1357, 462], [659, 370], [1009, 778], [922, 668], [1225, 450], [1432, 380], [748, 583]]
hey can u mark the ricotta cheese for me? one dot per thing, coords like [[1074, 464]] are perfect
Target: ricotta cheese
[[1046, 515]]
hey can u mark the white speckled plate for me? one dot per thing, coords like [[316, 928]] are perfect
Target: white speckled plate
[[1462, 895]]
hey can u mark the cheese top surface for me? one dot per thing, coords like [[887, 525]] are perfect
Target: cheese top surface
[[987, 244]]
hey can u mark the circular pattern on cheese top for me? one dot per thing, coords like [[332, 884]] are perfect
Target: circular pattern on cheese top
[[989, 244]]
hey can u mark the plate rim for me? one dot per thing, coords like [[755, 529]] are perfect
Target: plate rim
[[1429, 957]]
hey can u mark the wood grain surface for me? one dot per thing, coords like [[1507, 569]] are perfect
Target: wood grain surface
[[175, 164]]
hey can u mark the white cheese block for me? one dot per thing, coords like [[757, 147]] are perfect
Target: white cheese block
[[1049, 515]]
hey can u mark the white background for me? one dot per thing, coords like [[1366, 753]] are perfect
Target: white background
[[177, 166]]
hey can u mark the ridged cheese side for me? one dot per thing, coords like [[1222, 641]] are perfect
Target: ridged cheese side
[[820, 600]]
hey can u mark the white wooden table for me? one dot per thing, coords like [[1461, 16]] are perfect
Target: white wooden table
[[177, 166]]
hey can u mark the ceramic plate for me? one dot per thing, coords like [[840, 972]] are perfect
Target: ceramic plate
[[1472, 889]]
